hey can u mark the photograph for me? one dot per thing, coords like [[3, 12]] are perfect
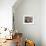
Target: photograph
[[22, 22], [28, 19]]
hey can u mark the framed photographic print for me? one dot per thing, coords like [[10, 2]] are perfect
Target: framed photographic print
[[28, 19]]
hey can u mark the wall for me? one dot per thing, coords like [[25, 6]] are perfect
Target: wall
[[30, 31], [6, 13], [43, 22]]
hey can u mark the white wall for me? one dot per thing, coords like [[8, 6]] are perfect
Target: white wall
[[43, 22], [6, 13], [31, 31]]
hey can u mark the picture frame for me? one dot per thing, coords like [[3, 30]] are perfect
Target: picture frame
[[28, 19]]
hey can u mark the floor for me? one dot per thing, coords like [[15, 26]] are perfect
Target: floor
[[9, 43]]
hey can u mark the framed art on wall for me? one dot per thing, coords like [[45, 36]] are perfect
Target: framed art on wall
[[28, 19]]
